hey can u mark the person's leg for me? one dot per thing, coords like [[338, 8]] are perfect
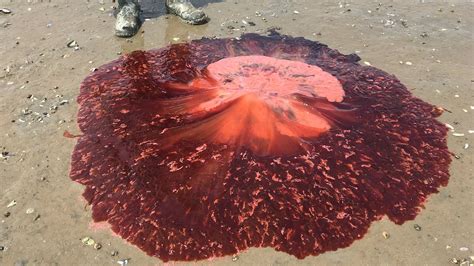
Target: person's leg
[[128, 18], [186, 11]]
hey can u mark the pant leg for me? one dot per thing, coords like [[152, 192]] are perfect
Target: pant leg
[[122, 3]]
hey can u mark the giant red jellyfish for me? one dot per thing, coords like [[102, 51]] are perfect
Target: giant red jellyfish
[[211, 147]]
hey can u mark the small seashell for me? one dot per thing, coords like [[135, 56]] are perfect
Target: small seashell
[[5, 11], [466, 146], [11, 204], [235, 258], [458, 134], [449, 126], [417, 227], [249, 23], [30, 211], [63, 102], [123, 262], [114, 253], [386, 235], [296, 12], [88, 241], [367, 63], [97, 246], [72, 44], [454, 261], [408, 63], [4, 154], [470, 131], [464, 249]]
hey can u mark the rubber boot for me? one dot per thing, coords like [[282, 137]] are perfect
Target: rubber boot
[[186, 11], [128, 18]]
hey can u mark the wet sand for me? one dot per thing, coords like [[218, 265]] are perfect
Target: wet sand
[[428, 46]]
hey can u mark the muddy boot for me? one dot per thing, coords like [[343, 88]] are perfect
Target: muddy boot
[[186, 11], [128, 18]]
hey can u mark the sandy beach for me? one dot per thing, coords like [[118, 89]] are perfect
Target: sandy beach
[[428, 45]]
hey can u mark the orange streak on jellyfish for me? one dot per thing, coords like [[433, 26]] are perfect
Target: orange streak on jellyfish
[[208, 148]]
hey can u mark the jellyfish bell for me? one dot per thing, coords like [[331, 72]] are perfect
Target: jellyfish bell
[[259, 104], [208, 148]]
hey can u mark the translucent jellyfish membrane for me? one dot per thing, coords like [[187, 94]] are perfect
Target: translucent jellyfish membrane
[[208, 148]]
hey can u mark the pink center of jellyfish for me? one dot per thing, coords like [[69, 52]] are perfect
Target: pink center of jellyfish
[[263, 110]]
